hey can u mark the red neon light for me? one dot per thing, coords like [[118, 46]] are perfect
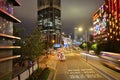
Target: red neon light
[[119, 6], [109, 5], [116, 7], [113, 7]]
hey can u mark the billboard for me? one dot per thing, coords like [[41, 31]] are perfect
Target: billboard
[[100, 22], [57, 45]]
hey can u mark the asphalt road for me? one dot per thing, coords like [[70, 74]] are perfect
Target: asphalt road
[[95, 61], [75, 68]]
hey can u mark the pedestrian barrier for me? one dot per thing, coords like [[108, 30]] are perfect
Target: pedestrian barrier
[[24, 75]]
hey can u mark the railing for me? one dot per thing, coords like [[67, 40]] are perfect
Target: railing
[[24, 75]]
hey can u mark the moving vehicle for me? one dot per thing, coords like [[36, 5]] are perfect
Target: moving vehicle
[[91, 52], [110, 59]]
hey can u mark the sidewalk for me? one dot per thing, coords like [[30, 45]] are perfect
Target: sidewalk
[[50, 62]]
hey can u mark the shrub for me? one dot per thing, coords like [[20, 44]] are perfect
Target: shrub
[[46, 74], [35, 74], [40, 74]]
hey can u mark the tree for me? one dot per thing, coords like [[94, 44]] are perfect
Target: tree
[[16, 32], [34, 46]]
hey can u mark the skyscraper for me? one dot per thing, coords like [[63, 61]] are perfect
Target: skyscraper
[[7, 38], [49, 19]]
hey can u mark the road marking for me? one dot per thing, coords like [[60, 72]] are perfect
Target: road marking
[[83, 73]]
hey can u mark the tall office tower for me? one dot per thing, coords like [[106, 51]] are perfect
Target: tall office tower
[[49, 19], [7, 38]]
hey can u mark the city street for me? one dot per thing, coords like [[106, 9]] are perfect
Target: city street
[[95, 61], [60, 39], [75, 68]]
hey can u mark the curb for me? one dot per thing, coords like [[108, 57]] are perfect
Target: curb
[[51, 75], [41, 58]]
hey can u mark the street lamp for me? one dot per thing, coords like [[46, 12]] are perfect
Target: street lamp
[[53, 41], [80, 29], [91, 29], [76, 29], [86, 38], [75, 33]]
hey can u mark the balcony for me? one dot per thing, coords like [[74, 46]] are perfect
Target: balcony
[[43, 7], [15, 2], [8, 16], [9, 47], [9, 58], [9, 36]]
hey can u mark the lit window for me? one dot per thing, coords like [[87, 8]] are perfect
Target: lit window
[[113, 32], [116, 33], [110, 30], [110, 22], [118, 39], [116, 21], [111, 37]]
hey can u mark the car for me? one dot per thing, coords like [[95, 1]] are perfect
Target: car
[[91, 52]]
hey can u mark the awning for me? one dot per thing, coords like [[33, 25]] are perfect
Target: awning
[[8, 16]]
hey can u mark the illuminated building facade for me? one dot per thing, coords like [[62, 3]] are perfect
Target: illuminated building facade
[[6, 38], [100, 28], [106, 22], [49, 19], [113, 21]]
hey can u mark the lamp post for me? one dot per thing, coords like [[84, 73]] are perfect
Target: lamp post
[[75, 33], [86, 39], [53, 41], [86, 36]]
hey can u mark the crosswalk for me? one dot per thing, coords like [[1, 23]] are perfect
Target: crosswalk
[[83, 74]]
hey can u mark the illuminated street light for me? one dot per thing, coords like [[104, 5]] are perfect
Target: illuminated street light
[[86, 37], [91, 29], [53, 41], [80, 29], [75, 33]]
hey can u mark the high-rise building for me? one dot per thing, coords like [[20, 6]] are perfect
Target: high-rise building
[[7, 38], [100, 28], [106, 22], [113, 19], [49, 19]]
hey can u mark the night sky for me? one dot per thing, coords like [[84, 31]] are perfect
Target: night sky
[[78, 13], [74, 13], [27, 13]]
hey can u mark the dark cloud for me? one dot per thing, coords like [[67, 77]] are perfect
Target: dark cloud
[[78, 13]]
